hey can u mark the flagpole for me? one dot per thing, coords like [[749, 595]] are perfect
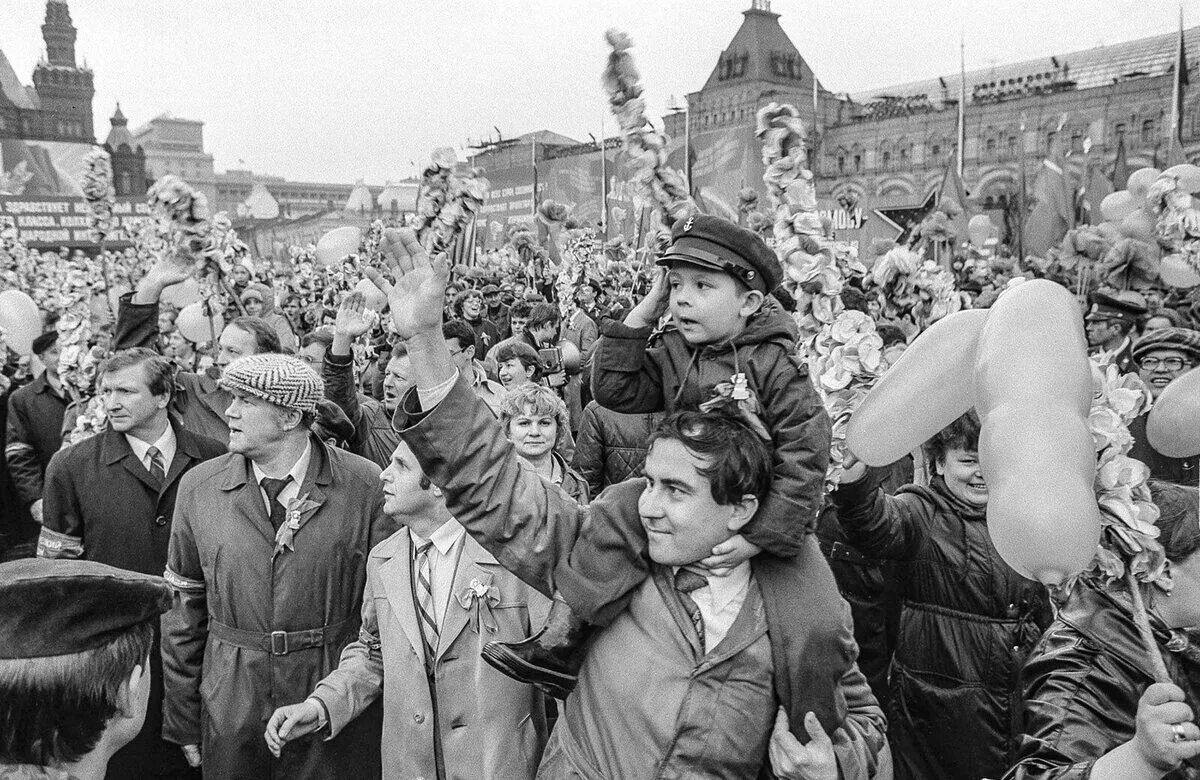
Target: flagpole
[[603, 179], [1177, 84], [962, 106], [1021, 198]]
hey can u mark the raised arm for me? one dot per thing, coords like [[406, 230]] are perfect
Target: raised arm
[[880, 525], [338, 369]]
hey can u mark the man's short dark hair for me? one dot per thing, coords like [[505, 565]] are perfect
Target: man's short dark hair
[[520, 310], [461, 332], [521, 351], [160, 373], [736, 461], [323, 336], [543, 314], [54, 709], [265, 337]]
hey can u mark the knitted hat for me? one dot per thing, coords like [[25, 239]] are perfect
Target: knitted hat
[[1185, 340], [278, 379]]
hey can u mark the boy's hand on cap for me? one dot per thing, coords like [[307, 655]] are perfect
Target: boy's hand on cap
[[650, 309]]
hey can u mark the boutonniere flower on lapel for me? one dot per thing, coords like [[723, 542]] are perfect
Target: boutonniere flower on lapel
[[299, 510], [478, 598], [735, 397]]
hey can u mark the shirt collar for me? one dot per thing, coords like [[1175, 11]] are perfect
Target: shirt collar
[[298, 471], [444, 538], [726, 589], [164, 443]]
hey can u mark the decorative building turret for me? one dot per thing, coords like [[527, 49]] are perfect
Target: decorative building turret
[[128, 159], [59, 34], [64, 89]]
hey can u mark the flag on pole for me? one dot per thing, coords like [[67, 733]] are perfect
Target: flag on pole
[[952, 198], [1094, 190], [1054, 208], [1120, 166], [1175, 154]]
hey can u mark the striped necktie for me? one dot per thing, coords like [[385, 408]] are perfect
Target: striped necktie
[[156, 464], [687, 581], [429, 623]]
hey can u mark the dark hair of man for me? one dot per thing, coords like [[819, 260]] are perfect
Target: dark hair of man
[[736, 461], [265, 338], [1178, 525], [523, 352], [461, 332], [160, 373], [962, 434], [54, 709], [543, 314], [323, 336], [520, 310]]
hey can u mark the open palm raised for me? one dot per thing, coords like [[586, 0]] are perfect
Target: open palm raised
[[417, 295]]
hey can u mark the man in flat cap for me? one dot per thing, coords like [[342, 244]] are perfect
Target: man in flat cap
[[268, 560], [1162, 356], [1110, 324], [75, 643], [35, 419]]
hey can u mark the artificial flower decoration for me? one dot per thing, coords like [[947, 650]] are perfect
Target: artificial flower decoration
[[479, 599], [1178, 225], [299, 510]]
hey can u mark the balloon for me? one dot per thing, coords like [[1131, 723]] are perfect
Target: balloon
[[1118, 205], [571, 359], [183, 294], [337, 244], [1140, 225], [1176, 272], [1173, 427], [194, 326], [375, 298], [1033, 391], [1140, 180], [1188, 175], [20, 319], [980, 229], [928, 388]]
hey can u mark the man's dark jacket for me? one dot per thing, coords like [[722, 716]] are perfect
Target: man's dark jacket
[[35, 417]]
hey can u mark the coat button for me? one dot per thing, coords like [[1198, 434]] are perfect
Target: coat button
[[419, 718], [161, 520]]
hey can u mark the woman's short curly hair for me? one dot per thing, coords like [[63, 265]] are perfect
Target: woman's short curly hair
[[536, 401]]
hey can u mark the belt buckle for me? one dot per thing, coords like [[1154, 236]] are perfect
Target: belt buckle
[[279, 643]]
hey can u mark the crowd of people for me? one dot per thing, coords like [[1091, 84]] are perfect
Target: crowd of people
[[461, 525]]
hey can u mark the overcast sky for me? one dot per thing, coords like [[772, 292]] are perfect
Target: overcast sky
[[337, 90]]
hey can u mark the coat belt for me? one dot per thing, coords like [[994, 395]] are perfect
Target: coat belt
[[281, 642]]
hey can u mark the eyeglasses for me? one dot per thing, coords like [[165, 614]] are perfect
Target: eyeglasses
[[1170, 364]]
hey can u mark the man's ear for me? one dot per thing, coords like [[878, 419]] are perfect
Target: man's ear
[[127, 695], [752, 301], [742, 512], [290, 419], [470, 352]]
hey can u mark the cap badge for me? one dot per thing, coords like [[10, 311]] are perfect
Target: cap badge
[[688, 225], [749, 273]]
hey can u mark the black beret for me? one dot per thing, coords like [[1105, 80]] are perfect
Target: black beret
[[45, 341], [712, 242], [59, 607], [1125, 305], [1185, 340], [491, 289]]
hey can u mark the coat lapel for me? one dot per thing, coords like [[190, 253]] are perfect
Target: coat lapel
[[397, 585], [473, 564], [116, 448], [247, 496]]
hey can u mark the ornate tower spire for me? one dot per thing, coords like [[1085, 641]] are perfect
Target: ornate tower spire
[[59, 34], [760, 5]]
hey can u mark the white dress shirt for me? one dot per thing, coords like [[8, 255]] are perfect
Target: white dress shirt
[[297, 472], [166, 445], [720, 602], [443, 562]]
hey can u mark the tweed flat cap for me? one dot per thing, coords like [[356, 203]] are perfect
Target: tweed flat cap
[[1185, 340], [279, 379], [61, 607]]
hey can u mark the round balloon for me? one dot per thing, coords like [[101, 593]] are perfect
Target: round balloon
[[20, 319], [1176, 272], [183, 294], [375, 298], [1140, 225], [980, 229], [336, 245], [1118, 205], [195, 327], [1173, 427], [1140, 180], [572, 360], [1188, 176]]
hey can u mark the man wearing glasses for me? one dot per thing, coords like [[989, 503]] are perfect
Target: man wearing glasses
[[1109, 324], [1162, 356]]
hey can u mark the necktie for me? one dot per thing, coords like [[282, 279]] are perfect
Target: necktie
[[273, 487], [687, 581], [156, 464], [429, 624]]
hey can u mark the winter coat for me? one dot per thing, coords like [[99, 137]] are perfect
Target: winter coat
[[1083, 683], [17, 529], [198, 401], [487, 724], [34, 434], [967, 624], [611, 446], [374, 438], [252, 630], [669, 374], [1181, 471]]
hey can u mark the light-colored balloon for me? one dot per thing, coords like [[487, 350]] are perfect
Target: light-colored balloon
[[928, 388], [375, 299], [571, 358], [1188, 176], [1173, 427], [1176, 272], [1140, 225], [1118, 205], [20, 319], [194, 326], [183, 294], [1140, 180], [336, 245], [980, 229]]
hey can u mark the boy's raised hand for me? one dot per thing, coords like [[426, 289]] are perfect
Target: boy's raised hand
[[649, 310], [420, 288]]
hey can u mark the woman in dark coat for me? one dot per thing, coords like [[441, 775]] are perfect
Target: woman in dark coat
[[1092, 708], [968, 620]]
